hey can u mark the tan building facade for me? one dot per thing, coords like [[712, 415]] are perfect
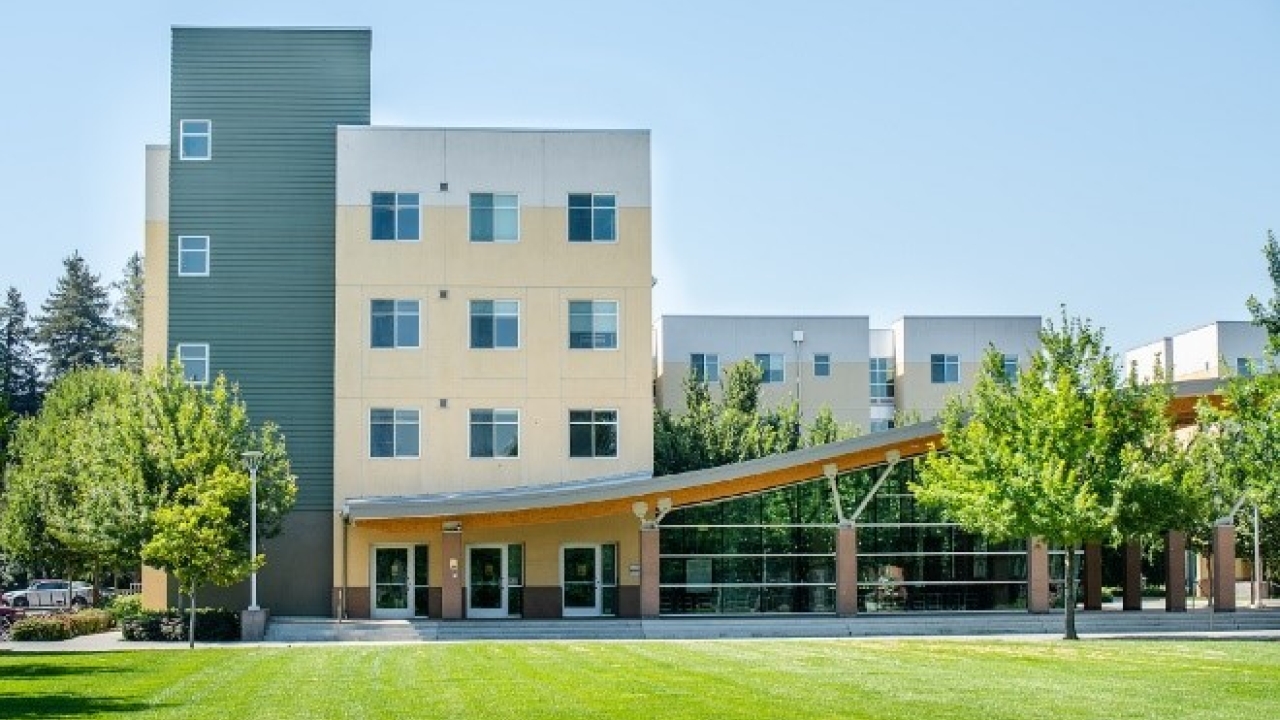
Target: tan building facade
[[1216, 350]]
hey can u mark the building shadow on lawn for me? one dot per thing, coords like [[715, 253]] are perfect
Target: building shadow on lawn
[[48, 705]]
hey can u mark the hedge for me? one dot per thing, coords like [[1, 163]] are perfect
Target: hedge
[[212, 624], [61, 626]]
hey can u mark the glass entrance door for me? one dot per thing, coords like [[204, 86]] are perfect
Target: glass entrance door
[[487, 581], [580, 568], [392, 580]]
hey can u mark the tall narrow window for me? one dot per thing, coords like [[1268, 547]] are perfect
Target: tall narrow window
[[881, 381], [593, 324], [495, 324], [393, 433], [495, 433], [393, 323], [1244, 367], [495, 217], [396, 216], [771, 367], [705, 366], [195, 141], [593, 433], [944, 368], [194, 358], [822, 365], [193, 255], [593, 217]]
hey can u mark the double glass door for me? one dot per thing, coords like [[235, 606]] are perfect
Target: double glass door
[[399, 582], [495, 581], [589, 580]]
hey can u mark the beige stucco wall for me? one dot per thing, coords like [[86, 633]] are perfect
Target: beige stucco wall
[[444, 378], [155, 303]]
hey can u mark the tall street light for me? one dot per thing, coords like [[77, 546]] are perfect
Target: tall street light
[[252, 459]]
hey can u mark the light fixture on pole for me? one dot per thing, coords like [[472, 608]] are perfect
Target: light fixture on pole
[[252, 459]]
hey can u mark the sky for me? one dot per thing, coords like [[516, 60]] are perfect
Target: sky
[[809, 158]]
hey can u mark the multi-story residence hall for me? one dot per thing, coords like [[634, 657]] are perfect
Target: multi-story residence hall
[[1216, 350], [452, 328], [866, 376]]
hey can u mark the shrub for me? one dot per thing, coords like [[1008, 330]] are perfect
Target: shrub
[[123, 606], [89, 622], [49, 627], [212, 624]]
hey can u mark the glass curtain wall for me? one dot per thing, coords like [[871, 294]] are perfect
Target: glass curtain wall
[[774, 552]]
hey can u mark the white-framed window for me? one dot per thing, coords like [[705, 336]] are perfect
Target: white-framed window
[[195, 139], [393, 433], [195, 362], [193, 255], [944, 368], [593, 217], [593, 324], [393, 323], [495, 433], [771, 367], [495, 217], [822, 364], [881, 381], [881, 425], [397, 216], [705, 366], [495, 324], [1010, 365], [593, 433]]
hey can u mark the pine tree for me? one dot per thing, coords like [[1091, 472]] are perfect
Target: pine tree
[[74, 329], [19, 367], [128, 314]]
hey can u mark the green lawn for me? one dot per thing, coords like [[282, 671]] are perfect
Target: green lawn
[[1117, 680]]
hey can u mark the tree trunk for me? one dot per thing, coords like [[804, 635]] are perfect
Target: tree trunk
[[1069, 593], [191, 634]]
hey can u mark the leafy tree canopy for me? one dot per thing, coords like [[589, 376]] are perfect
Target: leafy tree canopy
[[1268, 314]]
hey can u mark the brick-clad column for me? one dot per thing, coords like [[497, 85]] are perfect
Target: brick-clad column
[[1092, 576], [1175, 571], [1037, 576], [650, 596], [451, 582], [1224, 568], [847, 570], [1133, 575]]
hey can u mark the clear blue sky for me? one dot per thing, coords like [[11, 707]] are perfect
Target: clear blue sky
[[879, 158]]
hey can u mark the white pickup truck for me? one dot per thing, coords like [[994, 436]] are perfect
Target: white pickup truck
[[50, 594]]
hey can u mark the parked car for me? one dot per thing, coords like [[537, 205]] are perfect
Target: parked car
[[49, 594]]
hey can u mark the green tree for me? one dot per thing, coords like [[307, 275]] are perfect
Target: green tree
[[1069, 452], [19, 366], [201, 538], [1268, 315], [710, 433], [75, 330], [128, 314]]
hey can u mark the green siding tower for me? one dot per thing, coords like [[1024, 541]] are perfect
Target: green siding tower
[[251, 168]]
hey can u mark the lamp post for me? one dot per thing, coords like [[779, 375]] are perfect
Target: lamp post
[[252, 459]]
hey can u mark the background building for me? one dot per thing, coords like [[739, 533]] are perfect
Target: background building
[[1219, 349]]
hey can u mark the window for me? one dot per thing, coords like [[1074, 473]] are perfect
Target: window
[[881, 381], [393, 433], [393, 323], [822, 365], [881, 425], [705, 366], [196, 139], [396, 216], [1010, 365], [944, 368], [495, 217], [1244, 367], [495, 433], [193, 255], [593, 433], [593, 324], [495, 324], [770, 367], [592, 217], [195, 363]]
